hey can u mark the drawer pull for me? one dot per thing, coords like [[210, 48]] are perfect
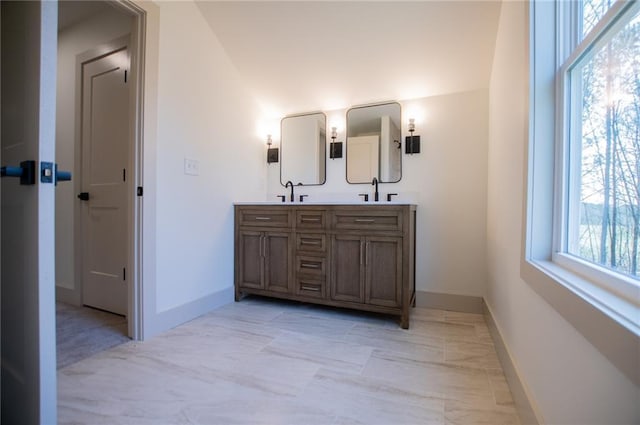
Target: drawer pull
[[308, 242], [263, 218], [310, 265], [310, 288], [310, 220], [365, 220]]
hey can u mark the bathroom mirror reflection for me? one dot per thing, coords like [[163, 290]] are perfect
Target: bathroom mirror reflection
[[303, 154], [374, 143]]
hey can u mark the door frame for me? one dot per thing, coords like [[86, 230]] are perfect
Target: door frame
[[136, 45]]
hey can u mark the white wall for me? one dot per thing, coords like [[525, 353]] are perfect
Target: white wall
[[72, 41], [203, 113], [197, 108], [567, 379], [447, 181]]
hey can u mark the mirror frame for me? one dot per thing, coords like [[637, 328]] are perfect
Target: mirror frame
[[325, 146], [346, 166]]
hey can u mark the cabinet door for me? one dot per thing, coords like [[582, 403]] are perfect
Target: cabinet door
[[278, 261], [250, 264], [383, 260], [347, 268]]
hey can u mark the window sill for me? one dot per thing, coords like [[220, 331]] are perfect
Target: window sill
[[609, 322]]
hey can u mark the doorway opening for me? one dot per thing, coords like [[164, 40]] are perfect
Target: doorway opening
[[99, 138]]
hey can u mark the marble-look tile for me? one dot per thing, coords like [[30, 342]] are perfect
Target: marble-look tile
[[396, 391], [445, 330], [467, 318], [308, 324], [258, 412], [252, 310], [431, 348], [421, 375], [332, 354], [460, 413], [501, 391], [471, 354], [482, 333], [272, 362], [419, 313], [356, 316], [364, 400], [145, 386]]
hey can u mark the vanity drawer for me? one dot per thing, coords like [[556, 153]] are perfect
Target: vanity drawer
[[311, 266], [311, 242], [311, 219], [314, 288], [265, 218], [388, 220]]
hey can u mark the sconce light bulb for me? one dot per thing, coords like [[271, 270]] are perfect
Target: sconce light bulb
[[412, 125], [269, 141], [334, 132]]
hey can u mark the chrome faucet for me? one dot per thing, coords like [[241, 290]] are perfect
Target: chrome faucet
[[374, 182], [287, 184]]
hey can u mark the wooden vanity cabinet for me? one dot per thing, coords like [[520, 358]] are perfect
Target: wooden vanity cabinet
[[367, 269], [265, 258], [355, 256], [263, 250]]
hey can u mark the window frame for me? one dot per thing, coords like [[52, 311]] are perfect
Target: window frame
[[610, 322], [568, 160]]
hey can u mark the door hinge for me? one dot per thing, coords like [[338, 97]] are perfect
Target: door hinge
[[124, 273], [125, 75], [124, 174], [139, 190]]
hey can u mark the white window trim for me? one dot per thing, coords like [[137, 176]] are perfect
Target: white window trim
[[609, 280], [610, 320]]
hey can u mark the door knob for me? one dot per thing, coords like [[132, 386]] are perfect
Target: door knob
[[26, 171], [63, 176], [83, 196]]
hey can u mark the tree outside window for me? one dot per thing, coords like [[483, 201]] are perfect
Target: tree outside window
[[604, 184]]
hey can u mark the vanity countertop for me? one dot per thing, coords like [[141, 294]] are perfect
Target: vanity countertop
[[311, 203]]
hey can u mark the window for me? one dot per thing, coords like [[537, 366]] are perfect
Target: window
[[584, 91], [599, 211]]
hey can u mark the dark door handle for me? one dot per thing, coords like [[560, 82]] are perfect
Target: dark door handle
[[63, 176], [83, 196], [26, 171]]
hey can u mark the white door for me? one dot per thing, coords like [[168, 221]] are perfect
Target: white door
[[364, 154], [28, 74], [105, 146]]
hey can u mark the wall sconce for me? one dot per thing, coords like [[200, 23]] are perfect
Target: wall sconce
[[412, 143], [335, 148], [272, 153]]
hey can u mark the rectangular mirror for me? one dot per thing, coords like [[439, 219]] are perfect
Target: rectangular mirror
[[373, 143], [303, 153]]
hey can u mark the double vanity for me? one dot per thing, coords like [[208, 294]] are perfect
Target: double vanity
[[359, 256], [353, 255]]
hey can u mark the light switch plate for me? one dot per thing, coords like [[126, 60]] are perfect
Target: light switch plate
[[191, 167]]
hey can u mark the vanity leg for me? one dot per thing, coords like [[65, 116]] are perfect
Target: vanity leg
[[238, 296], [404, 320]]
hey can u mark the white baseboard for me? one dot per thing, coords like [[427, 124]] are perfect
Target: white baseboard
[[69, 296], [523, 404], [176, 316], [462, 303], [471, 304]]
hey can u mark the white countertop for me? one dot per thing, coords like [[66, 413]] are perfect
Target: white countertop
[[362, 203]]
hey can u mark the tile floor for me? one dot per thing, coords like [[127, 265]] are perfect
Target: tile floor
[[264, 361]]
